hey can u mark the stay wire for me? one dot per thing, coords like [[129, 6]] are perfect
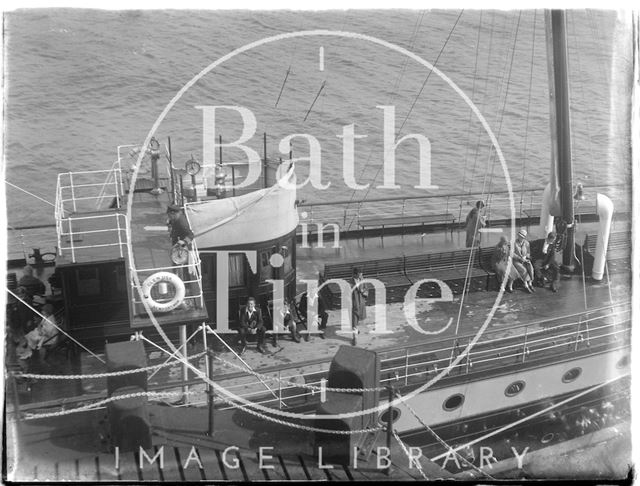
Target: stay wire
[[415, 100]]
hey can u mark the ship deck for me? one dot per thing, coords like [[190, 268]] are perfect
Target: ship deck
[[513, 313]]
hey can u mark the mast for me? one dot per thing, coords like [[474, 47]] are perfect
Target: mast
[[561, 124]]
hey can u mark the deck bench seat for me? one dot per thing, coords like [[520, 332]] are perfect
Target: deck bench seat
[[446, 219], [450, 267], [399, 273]]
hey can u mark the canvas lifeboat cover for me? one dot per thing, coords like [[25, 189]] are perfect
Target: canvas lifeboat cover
[[261, 215]]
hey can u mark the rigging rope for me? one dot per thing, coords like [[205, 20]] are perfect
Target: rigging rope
[[93, 376], [442, 442], [485, 98], [492, 157], [30, 194], [526, 128], [533, 415], [415, 100], [473, 97], [411, 458], [313, 388], [395, 89]]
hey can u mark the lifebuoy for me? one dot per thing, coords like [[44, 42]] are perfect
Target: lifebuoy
[[168, 277]]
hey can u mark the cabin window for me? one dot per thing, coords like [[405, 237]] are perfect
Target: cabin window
[[237, 277], [623, 362], [87, 282], [514, 388], [208, 268], [384, 416], [286, 255], [121, 280], [571, 375], [265, 264], [453, 402]]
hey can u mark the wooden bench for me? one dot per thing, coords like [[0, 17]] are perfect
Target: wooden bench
[[390, 271], [451, 267], [618, 250], [399, 273], [402, 221]]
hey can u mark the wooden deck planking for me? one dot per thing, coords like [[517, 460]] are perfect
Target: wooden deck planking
[[128, 467], [88, 469], [45, 471], [250, 466], [106, 468], [68, 470], [278, 473], [151, 472], [192, 471]]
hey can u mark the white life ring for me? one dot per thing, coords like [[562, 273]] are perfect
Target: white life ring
[[168, 277]]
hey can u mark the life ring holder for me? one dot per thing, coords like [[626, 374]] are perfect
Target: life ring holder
[[168, 277]]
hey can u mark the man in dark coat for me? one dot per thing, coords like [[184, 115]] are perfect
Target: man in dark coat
[[251, 323], [474, 222], [358, 303], [179, 228], [547, 269]]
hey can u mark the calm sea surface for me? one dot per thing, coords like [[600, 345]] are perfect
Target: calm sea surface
[[81, 82]]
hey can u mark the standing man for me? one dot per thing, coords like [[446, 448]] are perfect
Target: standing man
[[181, 238], [548, 267], [474, 222], [358, 303], [251, 323], [179, 228]]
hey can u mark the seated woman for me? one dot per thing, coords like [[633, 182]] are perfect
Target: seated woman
[[45, 335], [500, 261], [290, 320]]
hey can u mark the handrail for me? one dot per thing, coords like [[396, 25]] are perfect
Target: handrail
[[436, 196]]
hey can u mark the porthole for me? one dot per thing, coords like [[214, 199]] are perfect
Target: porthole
[[384, 416], [453, 402], [514, 388], [623, 362], [571, 375]]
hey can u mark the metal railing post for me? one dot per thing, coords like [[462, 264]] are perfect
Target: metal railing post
[[524, 345], [578, 333], [406, 366], [73, 253], [119, 237], [73, 196], [468, 360], [279, 389], [16, 400]]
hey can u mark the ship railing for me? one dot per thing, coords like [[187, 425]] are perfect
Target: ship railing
[[76, 234], [22, 240], [190, 273], [413, 365], [84, 191], [113, 180], [585, 332], [526, 202]]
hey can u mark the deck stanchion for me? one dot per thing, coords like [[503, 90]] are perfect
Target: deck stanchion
[[16, 399], [524, 346], [210, 391], [406, 366], [185, 369], [389, 425]]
